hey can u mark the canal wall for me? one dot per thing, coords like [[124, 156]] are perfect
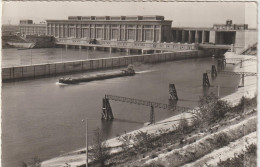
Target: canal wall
[[38, 70], [127, 44]]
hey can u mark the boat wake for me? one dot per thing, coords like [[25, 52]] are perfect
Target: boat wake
[[146, 71], [61, 84]]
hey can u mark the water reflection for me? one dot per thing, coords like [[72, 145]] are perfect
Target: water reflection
[[106, 127]]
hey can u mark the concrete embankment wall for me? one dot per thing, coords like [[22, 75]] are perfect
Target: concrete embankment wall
[[22, 72]]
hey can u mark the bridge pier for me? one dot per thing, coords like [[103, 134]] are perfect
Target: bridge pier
[[206, 80], [220, 65], [214, 71], [173, 92], [107, 110]]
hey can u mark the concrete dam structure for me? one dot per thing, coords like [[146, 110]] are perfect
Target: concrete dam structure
[[107, 30]]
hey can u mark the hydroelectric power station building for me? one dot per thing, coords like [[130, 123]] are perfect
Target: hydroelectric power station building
[[141, 31], [119, 28]]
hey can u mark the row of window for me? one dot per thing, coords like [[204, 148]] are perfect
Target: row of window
[[33, 30], [103, 25], [113, 34]]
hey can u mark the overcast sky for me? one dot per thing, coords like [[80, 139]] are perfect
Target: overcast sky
[[193, 14]]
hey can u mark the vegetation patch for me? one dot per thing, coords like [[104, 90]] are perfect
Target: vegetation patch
[[246, 158]]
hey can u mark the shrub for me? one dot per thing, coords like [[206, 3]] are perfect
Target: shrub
[[192, 156], [237, 161], [169, 149], [36, 161], [245, 103], [222, 140], [125, 140], [100, 148], [154, 164], [154, 155], [242, 159], [183, 126], [251, 149], [144, 140], [212, 109], [82, 152], [196, 122], [220, 109]]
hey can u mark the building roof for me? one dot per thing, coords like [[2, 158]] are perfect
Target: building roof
[[130, 17], [192, 28]]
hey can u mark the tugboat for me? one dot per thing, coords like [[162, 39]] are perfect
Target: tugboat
[[126, 72]]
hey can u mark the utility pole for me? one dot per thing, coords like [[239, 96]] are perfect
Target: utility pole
[[244, 142], [61, 54], [31, 56], [218, 90], [86, 142]]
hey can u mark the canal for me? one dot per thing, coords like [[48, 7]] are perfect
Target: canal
[[14, 57], [43, 118]]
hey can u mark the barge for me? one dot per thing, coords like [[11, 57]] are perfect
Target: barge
[[74, 80]]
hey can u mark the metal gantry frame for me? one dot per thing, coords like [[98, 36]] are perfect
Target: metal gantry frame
[[241, 60], [235, 73], [107, 110], [242, 74]]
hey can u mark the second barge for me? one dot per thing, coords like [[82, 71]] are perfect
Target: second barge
[[127, 72]]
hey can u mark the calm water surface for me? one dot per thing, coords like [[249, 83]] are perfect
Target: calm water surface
[[42, 118], [14, 57]]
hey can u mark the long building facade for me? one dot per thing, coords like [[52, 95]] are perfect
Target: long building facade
[[139, 29], [116, 28]]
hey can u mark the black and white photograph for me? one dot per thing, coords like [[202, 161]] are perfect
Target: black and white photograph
[[129, 83]]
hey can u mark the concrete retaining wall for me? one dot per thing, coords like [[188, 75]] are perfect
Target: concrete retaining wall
[[22, 72], [127, 44]]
